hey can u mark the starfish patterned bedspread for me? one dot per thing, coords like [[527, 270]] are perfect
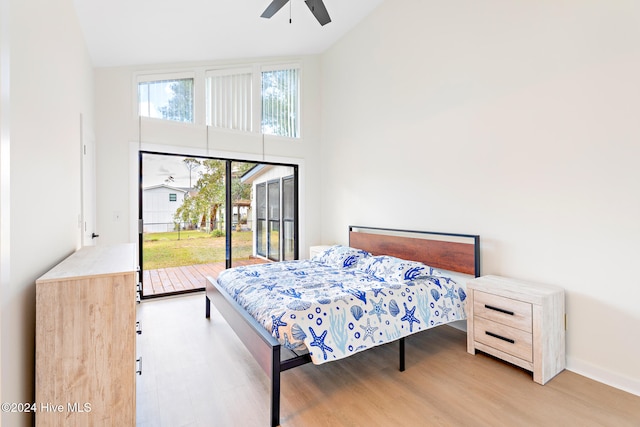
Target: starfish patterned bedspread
[[335, 309]]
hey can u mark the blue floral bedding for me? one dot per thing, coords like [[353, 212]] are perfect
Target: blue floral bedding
[[344, 300]]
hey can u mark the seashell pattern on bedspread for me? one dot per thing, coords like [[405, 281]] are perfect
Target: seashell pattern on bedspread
[[335, 312]]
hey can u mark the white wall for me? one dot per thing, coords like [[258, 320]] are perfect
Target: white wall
[[120, 135], [518, 121], [50, 86]]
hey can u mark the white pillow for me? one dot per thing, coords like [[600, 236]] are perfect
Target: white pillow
[[341, 256], [391, 269]]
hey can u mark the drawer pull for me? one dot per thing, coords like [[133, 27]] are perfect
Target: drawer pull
[[500, 337], [501, 310]]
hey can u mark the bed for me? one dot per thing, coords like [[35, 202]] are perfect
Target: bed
[[385, 285]]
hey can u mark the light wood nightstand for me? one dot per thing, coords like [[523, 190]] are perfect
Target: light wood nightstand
[[520, 322]]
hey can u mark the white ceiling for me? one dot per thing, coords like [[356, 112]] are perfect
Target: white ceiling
[[137, 32]]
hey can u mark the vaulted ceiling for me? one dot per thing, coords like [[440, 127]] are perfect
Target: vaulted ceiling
[[137, 32]]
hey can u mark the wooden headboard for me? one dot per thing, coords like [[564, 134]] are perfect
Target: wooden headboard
[[446, 251]]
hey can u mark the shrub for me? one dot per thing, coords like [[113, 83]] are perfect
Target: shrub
[[217, 233]]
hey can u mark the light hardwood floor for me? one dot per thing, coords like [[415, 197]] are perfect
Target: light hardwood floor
[[197, 373]]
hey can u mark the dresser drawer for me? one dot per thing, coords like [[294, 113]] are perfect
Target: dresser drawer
[[504, 338], [506, 311]]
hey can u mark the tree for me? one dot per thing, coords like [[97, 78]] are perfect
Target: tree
[[188, 212], [180, 105], [239, 190], [191, 164], [210, 190]]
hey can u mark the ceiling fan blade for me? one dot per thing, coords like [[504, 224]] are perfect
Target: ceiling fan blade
[[275, 6], [319, 10]]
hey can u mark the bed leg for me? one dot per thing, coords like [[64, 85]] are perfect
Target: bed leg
[[402, 354], [207, 307], [275, 387]]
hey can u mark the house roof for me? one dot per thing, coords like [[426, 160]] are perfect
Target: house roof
[[249, 176], [153, 187]]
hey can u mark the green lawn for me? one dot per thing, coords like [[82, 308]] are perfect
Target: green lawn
[[194, 247]]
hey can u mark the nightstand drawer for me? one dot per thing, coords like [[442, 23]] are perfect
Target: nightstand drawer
[[509, 312], [504, 338]]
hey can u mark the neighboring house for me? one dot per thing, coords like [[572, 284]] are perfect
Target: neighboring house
[[159, 205], [272, 210]]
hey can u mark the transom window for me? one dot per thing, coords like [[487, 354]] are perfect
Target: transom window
[[254, 98], [166, 99], [229, 100], [236, 97], [281, 103]]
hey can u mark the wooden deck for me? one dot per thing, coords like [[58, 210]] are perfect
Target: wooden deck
[[173, 280]]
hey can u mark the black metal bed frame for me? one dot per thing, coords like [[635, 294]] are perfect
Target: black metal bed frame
[[266, 350]]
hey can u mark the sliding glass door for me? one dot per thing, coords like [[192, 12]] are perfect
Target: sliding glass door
[[198, 216], [273, 220], [276, 212], [261, 219], [241, 214], [289, 217]]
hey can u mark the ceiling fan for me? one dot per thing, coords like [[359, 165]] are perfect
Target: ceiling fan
[[315, 6]]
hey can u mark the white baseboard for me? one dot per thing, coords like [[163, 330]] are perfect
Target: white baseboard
[[603, 376], [588, 370]]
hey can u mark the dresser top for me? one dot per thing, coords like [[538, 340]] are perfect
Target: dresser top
[[513, 288], [94, 261]]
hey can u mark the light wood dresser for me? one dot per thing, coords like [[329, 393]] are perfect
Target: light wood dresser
[[520, 322], [86, 339]]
